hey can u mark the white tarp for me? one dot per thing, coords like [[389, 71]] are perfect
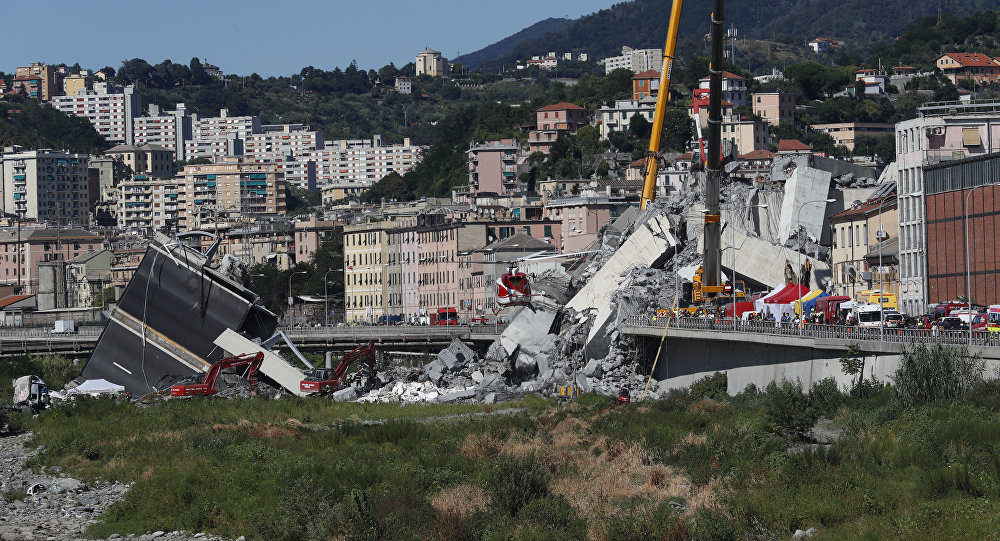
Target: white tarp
[[95, 387]]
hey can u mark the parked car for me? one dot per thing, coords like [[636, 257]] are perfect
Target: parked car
[[894, 320]]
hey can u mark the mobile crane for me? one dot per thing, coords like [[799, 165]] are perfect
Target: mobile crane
[[707, 284], [328, 380], [207, 385]]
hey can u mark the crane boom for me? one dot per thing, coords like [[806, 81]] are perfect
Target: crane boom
[[649, 187]]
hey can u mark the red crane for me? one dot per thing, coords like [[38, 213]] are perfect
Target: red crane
[[207, 385], [328, 380]]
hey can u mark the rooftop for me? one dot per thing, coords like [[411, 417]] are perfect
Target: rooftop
[[967, 60], [562, 106]]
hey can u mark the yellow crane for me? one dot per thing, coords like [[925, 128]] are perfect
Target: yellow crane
[[649, 187]]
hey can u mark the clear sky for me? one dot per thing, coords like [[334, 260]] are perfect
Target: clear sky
[[276, 37]]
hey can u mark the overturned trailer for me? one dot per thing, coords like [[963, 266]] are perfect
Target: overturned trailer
[[170, 314]]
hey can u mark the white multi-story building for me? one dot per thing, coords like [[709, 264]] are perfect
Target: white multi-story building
[[45, 185], [146, 204], [108, 107], [168, 130], [941, 132], [617, 118], [280, 141], [225, 125], [637, 60], [734, 88]]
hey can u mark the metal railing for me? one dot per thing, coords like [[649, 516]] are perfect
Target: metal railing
[[841, 332]]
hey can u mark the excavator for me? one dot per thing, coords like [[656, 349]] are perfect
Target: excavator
[[328, 380], [207, 385]]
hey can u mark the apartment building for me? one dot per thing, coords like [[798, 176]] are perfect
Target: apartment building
[[147, 204], [224, 124], [975, 67], [430, 62], [865, 245], [619, 117], [109, 107], [554, 121], [76, 83], [774, 107], [146, 160], [942, 132], [962, 196], [231, 188], [846, 133], [493, 167], [39, 81], [359, 161], [37, 246], [46, 185], [282, 140], [168, 130], [646, 83], [365, 250], [748, 134], [340, 191], [637, 60], [310, 234], [734, 88], [582, 219], [403, 84]]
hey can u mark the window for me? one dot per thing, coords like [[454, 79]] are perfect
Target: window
[[865, 234]]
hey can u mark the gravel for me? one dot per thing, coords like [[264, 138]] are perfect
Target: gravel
[[59, 508]]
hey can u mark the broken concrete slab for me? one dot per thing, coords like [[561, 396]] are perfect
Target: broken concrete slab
[[456, 355], [345, 394], [593, 368], [273, 366], [457, 395]]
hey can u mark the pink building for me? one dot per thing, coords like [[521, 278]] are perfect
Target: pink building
[[493, 167], [310, 234], [554, 121], [438, 271], [582, 219], [37, 246]]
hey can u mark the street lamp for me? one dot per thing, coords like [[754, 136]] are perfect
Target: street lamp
[[290, 298], [798, 236], [326, 296], [732, 245], [968, 267]]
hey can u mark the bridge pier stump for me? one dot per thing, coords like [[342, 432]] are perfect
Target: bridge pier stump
[[329, 359]]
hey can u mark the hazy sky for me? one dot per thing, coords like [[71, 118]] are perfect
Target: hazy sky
[[276, 37]]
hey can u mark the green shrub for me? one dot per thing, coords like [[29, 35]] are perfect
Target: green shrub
[[654, 525], [714, 387], [826, 397], [554, 517], [358, 517], [935, 373], [711, 525], [789, 409], [512, 483]]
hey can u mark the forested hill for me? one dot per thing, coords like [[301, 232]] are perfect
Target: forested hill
[[507, 44], [643, 23], [28, 123]]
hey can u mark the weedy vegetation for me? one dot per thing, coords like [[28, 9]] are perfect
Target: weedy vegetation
[[912, 461]]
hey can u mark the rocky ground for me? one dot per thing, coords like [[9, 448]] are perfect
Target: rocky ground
[[50, 506]]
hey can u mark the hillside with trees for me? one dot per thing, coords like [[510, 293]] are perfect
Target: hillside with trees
[[862, 24], [28, 123]]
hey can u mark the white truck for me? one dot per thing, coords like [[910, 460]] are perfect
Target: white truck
[[868, 315], [30, 393]]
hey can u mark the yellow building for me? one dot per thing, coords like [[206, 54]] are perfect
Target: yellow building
[[229, 190], [72, 84], [48, 80], [862, 258], [150, 160]]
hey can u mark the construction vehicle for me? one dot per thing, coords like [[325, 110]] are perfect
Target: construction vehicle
[[30, 393], [624, 396], [328, 380], [207, 385], [567, 392]]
